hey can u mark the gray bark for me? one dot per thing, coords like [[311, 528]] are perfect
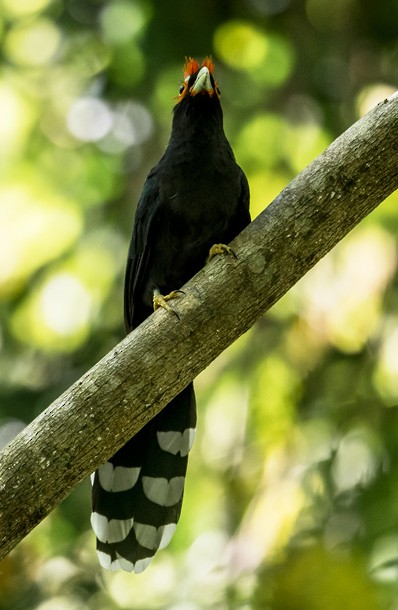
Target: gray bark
[[113, 400]]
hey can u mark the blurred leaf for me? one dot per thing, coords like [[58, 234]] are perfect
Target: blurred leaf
[[37, 225], [314, 579], [244, 46]]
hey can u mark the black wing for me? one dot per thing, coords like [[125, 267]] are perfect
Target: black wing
[[139, 253], [244, 201]]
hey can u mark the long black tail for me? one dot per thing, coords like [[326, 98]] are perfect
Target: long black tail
[[137, 495]]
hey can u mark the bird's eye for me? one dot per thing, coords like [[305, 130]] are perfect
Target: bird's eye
[[181, 89]]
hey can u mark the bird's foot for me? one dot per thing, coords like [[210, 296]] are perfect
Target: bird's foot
[[220, 249], [160, 300]]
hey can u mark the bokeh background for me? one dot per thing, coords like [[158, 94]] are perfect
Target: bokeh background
[[291, 500]]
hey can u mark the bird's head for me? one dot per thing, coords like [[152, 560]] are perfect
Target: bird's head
[[198, 107], [198, 80]]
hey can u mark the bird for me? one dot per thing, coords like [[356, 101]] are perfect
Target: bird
[[193, 203]]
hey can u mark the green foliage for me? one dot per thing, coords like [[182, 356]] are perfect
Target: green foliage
[[292, 497]]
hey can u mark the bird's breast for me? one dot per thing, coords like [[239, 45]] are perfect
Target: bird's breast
[[202, 194]]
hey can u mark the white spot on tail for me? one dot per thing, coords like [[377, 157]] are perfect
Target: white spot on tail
[[117, 478], [137, 567], [148, 535], [176, 442], [113, 530], [105, 561], [124, 564], [154, 538], [142, 564], [163, 492], [168, 532]]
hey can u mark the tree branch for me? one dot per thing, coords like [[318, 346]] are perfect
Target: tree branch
[[123, 391]]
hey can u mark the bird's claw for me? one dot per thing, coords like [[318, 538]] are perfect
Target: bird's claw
[[220, 249], [160, 300]]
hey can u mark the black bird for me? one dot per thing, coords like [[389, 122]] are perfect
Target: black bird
[[194, 200]]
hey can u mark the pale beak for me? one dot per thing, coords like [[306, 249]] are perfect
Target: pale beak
[[202, 82]]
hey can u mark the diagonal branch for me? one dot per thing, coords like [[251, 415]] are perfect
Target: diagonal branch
[[121, 393]]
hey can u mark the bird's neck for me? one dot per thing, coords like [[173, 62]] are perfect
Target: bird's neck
[[197, 125]]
